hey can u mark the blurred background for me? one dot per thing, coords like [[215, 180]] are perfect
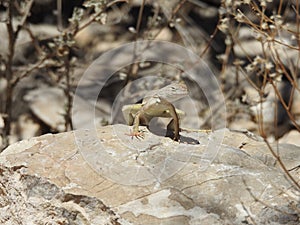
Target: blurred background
[[252, 47]]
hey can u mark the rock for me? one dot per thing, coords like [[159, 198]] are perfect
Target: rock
[[48, 104], [292, 137], [26, 127], [295, 109], [106, 177], [46, 203]]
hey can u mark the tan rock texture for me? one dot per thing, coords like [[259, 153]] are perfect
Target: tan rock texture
[[106, 177]]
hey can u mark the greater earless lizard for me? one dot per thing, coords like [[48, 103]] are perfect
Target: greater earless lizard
[[156, 103]]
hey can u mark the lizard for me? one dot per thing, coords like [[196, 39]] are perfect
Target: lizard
[[156, 103]]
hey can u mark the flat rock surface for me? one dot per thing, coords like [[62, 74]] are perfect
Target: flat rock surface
[[106, 177]]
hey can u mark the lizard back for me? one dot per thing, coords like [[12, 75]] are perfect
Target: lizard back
[[171, 92]]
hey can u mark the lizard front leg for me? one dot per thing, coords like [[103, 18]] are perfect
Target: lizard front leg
[[139, 117]]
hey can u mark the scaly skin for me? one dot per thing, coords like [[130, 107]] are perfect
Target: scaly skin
[[155, 107], [156, 104]]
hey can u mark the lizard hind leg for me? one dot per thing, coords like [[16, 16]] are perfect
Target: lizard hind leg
[[171, 130]]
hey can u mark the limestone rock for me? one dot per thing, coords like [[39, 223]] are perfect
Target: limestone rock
[[105, 177], [30, 199]]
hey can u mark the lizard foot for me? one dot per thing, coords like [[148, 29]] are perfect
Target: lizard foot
[[138, 134], [174, 136]]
